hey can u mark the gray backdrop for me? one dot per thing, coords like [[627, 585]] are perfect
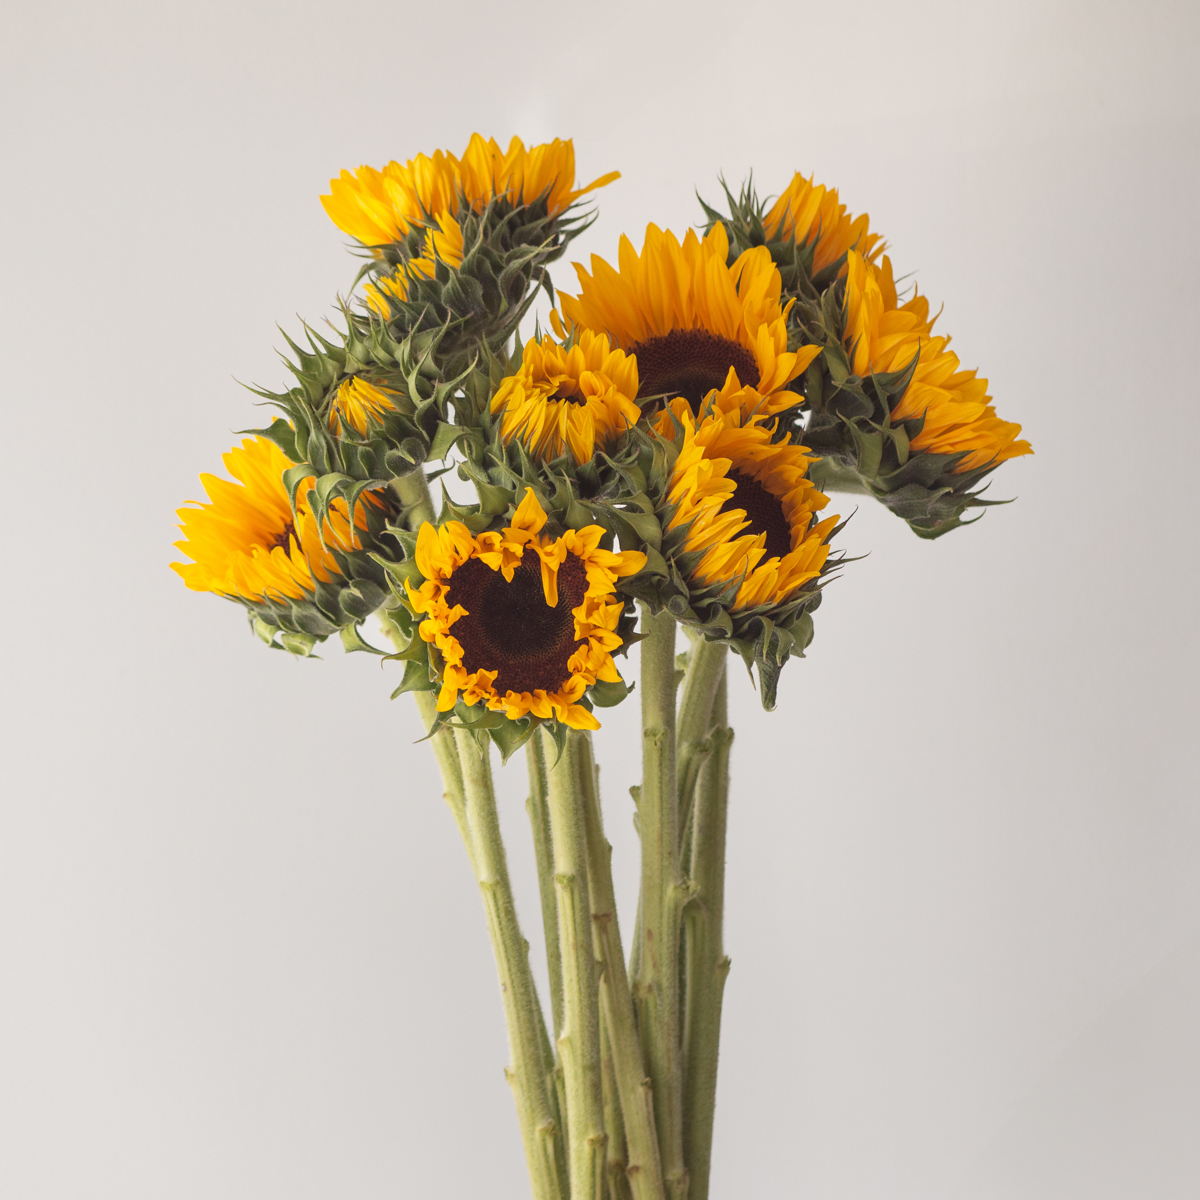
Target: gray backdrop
[[242, 953]]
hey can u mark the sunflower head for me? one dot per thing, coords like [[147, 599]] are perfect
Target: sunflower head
[[806, 230], [442, 243], [574, 398], [518, 626], [744, 540], [894, 413], [694, 321], [300, 567]]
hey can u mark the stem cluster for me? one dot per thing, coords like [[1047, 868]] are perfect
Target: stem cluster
[[616, 1100]]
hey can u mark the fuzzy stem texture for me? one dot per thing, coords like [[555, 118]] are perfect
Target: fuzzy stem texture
[[663, 894], [530, 1075], [705, 671], [707, 966], [538, 809], [413, 490], [643, 1167], [579, 1038]]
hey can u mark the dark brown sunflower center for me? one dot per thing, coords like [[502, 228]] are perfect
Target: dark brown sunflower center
[[511, 629], [764, 510], [283, 538], [691, 362], [573, 398]]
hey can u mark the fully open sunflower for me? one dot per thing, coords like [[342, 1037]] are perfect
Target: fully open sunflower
[[749, 509], [247, 542], [813, 216], [884, 336], [380, 207], [693, 322], [525, 623], [568, 398]]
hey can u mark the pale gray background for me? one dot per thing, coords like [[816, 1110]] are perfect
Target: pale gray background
[[242, 953]]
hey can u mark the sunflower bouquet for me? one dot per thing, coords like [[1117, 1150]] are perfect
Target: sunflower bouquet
[[657, 462]]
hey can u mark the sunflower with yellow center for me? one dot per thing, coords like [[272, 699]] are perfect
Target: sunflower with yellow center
[[568, 398], [443, 243], [382, 206], [694, 323], [748, 509], [248, 543], [883, 335], [813, 216], [524, 622]]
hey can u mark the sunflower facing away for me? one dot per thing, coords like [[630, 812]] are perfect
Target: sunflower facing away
[[813, 216], [247, 543], [693, 323], [884, 335], [526, 623], [568, 398], [443, 243], [378, 207], [749, 507]]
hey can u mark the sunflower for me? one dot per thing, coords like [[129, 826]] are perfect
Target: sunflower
[[884, 336], [379, 207], [813, 216], [443, 243], [568, 398], [693, 323], [357, 404], [525, 623], [748, 508], [247, 542], [523, 176]]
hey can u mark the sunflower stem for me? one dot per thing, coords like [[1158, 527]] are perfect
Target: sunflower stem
[[413, 490], [663, 894], [530, 1075], [707, 967], [579, 1037], [616, 1160], [537, 806], [705, 671], [642, 1166]]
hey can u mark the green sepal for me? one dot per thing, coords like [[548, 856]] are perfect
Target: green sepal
[[352, 640], [416, 679]]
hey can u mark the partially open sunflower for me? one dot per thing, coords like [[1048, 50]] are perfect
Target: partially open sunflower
[[574, 398], [748, 509], [883, 336], [247, 543]]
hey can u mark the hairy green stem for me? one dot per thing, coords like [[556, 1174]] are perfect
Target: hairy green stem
[[413, 490], [707, 966], [537, 806], [579, 1037], [616, 1158], [705, 670], [530, 1075], [465, 763], [663, 894], [629, 1073]]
